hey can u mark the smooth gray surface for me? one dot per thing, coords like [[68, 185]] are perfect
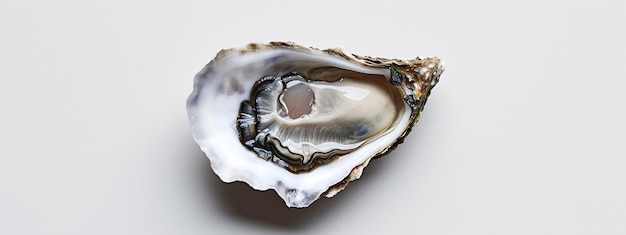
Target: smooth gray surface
[[525, 133]]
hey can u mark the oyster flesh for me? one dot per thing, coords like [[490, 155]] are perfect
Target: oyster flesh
[[303, 121]]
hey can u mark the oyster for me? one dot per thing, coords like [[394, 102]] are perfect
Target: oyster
[[304, 121]]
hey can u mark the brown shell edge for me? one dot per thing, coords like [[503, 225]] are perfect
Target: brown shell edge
[[422, 75]]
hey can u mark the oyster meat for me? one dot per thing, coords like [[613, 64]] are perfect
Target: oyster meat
[[303, 121]]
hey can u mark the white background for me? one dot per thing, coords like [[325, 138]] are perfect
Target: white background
[[525, 133]]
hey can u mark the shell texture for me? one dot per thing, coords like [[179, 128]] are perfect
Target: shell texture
[[304, 121]]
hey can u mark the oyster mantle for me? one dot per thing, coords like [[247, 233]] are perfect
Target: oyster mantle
[[304, 121]]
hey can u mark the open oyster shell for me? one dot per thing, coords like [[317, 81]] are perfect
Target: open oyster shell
[[304, 121]]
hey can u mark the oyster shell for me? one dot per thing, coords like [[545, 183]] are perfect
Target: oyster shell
[[304, 121]]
